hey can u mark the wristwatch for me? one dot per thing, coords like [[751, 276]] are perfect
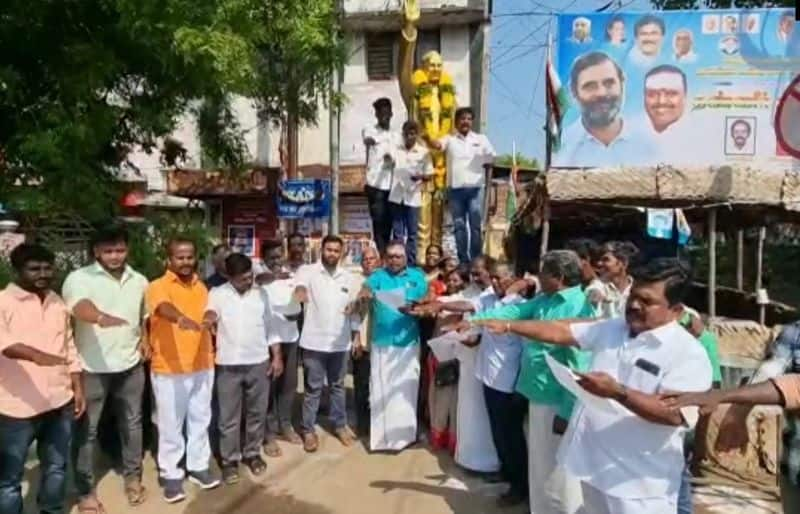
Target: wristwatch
[[622, 394]]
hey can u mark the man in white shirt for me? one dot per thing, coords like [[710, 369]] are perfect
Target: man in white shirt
[[379, 140], [469, 156], [629, 457], [649, 32], [600, 137], [326, 289], [245, 341], [412, 166], [280, 286]]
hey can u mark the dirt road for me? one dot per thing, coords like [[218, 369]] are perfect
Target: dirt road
[[333, 481]]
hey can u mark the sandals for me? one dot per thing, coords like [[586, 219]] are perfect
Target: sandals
[[135, 492], [90, 505], [271, 449], [310, 442], [256, 465]]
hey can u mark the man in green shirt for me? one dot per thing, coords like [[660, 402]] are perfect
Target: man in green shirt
[[550, 404], [107, 300]]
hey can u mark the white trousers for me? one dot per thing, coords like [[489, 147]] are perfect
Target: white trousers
[[597, 502], [393, 391], [183, 399], [552, 490]]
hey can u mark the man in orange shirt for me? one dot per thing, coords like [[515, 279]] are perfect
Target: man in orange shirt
[[182, 370], [40, 381]]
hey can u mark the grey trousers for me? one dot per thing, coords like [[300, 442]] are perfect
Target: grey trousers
[[317, 366], [283, 392], [126, 390], [241, 388]]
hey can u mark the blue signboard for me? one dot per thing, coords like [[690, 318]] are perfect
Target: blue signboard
[[675, 87], [309, 198]]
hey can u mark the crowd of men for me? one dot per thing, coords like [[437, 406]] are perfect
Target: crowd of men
[[223, 355]]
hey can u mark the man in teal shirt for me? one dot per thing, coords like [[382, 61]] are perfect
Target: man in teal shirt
[[550, 491], [394, 355]]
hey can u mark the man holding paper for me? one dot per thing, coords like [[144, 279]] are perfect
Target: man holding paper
[[394, 356], [630, 462], [550, 490]]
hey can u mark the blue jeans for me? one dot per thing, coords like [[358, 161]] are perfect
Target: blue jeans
[[52, 431], [466, 204], [317, 366], [405, 222]]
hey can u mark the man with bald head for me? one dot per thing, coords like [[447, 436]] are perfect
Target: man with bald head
[[370, 261], [394, 351]]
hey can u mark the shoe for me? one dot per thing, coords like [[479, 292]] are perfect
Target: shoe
[[256, 465], [204, 479], [173, 491], [230, 474], [511, 499], [310, 442], [345, 436]]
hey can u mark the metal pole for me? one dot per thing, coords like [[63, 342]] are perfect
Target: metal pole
[[740, 259], [712, 262], [336, 87]]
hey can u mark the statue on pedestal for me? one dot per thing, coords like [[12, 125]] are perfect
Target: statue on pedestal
[[430, 98]]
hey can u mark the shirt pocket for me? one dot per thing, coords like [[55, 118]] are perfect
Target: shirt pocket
[[642, 380]]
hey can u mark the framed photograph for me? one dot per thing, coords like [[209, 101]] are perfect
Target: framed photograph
[[242, 239], [740, 135]]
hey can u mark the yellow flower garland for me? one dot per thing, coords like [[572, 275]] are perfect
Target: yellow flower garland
[[447, 104]]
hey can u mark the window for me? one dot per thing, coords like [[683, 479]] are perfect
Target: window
[[382, 48], [381, 60]]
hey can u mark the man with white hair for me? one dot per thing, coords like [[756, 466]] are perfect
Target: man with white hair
[[394, 352], [581, 30], [683, 46]]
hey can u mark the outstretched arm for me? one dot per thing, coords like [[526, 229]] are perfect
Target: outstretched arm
[[554, 332], [408, 44]]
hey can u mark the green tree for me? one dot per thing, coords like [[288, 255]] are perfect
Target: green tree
[[719, 4], [522, 161], [83, 81]]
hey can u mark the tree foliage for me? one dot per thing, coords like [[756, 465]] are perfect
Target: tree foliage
[[84, 81], [522, 161], [719, 4]]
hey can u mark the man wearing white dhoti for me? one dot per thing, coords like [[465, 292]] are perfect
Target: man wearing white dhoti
[[394, 355]]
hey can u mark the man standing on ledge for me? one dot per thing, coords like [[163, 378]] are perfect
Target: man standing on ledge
[[379, 141], [182, 371], [630, 461], [469, 157]]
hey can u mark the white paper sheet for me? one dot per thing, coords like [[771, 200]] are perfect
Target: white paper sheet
[[394, 298], [444, 346], [567, 378]]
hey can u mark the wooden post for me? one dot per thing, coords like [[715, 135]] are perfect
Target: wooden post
[[545, 242], [762, 235], [740, 259], [712, 262]]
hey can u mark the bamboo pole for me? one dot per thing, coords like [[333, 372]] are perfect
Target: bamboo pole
[[762, 235], [740, 259], [712, 262]]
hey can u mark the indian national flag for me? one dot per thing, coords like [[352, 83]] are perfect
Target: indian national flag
[[557, 100]]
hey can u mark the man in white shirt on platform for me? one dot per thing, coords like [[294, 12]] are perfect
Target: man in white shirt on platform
[[629, 458], [412, 167], [326, 289], [379, 141], [469, 156]]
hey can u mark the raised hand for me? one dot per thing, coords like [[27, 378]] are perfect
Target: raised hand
[[108, 321]]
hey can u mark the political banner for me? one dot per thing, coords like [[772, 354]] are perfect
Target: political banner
[[673, 87], [308, 198]]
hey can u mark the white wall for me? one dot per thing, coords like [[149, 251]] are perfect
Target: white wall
[[365, 6]]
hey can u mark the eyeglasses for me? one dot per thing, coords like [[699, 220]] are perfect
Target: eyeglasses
[[394, 255]]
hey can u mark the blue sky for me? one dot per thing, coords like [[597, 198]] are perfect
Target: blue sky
[[517, 63]]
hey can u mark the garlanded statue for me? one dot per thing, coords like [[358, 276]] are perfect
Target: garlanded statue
[[430, 98]]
